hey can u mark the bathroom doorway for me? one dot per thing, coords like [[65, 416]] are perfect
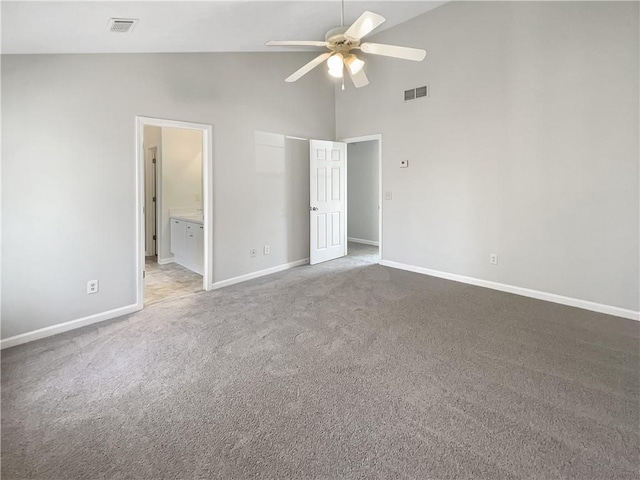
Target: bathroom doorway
[[176, 214]]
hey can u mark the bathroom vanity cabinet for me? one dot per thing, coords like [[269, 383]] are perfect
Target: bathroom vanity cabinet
[[187, 242]]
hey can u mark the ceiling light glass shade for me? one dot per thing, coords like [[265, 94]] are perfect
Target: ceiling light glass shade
[[353, 63], [335, 61], [336, 72]]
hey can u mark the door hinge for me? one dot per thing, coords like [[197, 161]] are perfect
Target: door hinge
[[144, 274], [154, 199], [154, 237], [154, 160]]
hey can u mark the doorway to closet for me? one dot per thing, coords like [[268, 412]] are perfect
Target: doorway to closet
[[364, 197]]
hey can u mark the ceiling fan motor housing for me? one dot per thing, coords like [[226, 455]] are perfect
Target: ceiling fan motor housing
[[338, 41]]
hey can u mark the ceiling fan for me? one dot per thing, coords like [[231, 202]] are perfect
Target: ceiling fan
[[341, 41]]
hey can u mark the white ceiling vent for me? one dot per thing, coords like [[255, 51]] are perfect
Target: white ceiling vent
[[122, 25]]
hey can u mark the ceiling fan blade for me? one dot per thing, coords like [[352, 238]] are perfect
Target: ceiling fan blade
[[296, 43], [406, 53], [359, 79], [308, 67], [365, 24]]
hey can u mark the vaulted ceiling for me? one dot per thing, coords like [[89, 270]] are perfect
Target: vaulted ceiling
[[181, 26]]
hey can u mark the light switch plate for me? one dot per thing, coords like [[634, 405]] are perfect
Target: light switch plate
[[404, 163]]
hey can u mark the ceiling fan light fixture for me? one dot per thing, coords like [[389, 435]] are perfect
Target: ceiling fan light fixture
[[336, 72], [340, 41], [335, 61], [353, 63]]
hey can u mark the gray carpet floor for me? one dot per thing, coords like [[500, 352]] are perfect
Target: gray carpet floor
[[343, 370]]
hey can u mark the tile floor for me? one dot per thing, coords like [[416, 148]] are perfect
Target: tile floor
[[168, 281]]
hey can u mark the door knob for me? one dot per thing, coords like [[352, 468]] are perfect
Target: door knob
[[313, 209]]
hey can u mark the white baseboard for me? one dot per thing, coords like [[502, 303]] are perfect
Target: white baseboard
[[165, 261], [100, 317], [260, 273], [66, 326], [549, 297], [363, 241]]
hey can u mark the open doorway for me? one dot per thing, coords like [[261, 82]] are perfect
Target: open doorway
[[174, 165], [364, 195]]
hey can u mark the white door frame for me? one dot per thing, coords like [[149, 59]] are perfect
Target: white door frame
[[366, 138], [207, 197]]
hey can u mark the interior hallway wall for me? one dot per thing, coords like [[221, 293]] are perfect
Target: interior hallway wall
[[362, 191], [80, 171], [526, 147]]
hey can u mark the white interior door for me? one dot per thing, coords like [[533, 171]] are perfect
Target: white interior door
[[328, 206]]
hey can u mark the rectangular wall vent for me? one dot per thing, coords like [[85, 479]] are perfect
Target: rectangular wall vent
[[414, 93], [122, 25], [409, 94]]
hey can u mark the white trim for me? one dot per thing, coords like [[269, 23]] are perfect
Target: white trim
[[165, 261], [259, 273], [363, 241], [66, 326], [207, 197], [525, 292], [363, 138], [207, 204], [345, 234], [366, 138]]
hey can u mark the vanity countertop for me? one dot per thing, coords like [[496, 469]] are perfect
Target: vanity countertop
[[189, 218]]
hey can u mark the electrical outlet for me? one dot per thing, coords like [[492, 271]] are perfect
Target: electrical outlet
[[493, 258], [404, 163], [252, 253], [92, 287], [388, 196], [267, 249]]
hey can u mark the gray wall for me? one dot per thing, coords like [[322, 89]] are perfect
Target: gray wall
[[527, 146], [281, 198], [362, 190], [68, 192]]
